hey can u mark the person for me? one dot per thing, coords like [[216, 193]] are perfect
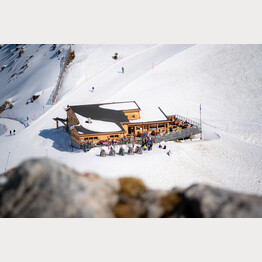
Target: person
[[14, 132], [160, 146], [10, 132], [123, 70], [169, 152], [93, 89], [164, 147], [144, 147]]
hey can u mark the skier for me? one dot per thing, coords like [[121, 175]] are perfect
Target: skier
[[14, 132], [93, 89], [164, 147], [123, 70], [10, 132], [169, 153]]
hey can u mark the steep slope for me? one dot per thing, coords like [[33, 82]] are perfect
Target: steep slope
[[225, 79], [33, 71]]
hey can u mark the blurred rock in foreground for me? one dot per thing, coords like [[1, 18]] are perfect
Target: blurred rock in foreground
[[45, 188]]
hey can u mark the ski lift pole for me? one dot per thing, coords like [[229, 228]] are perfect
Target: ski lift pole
[[200, 124], [7, 161]]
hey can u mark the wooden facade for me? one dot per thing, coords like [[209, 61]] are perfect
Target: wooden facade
[[129, 128]]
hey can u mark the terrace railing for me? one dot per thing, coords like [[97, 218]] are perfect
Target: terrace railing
[[180, 134], [184, 119]]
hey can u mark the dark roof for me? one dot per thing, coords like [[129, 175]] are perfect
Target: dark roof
[[97, 113]]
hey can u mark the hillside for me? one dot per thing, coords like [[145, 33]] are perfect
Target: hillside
[[225, 79]]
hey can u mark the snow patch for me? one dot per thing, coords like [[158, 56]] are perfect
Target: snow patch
[[120, 106], [97, 125]]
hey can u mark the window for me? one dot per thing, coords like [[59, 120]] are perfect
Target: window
[[133, 116], [95, 137]]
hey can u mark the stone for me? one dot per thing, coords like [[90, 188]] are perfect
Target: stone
[[210, 202], [45, 188]]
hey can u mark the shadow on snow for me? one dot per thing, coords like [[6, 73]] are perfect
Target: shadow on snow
[[61, 139]]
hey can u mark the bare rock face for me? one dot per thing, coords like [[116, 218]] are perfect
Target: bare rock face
[[45, 188], [211, 202]]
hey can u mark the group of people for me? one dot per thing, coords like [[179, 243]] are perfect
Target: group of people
[[147, 143], [164, 147], [12, 133], [180, 123]]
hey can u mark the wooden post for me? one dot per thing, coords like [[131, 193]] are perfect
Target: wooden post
[[200, 123], [56, 124]]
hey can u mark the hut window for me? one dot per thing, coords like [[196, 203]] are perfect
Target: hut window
[[95, 137], [133, 116]]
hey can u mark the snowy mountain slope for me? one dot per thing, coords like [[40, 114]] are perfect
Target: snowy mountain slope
[[36, 71], [225, 79]]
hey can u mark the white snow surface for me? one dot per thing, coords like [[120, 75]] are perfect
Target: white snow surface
[[120, 106], [150, 114], [225, 79], [97, 125]]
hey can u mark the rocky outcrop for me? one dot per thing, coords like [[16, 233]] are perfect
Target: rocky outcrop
[[45, 188]]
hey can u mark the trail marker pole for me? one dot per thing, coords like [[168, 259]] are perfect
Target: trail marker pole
[[7, 161], [200, 123]]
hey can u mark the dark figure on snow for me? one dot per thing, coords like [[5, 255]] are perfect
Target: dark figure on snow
[[112, 152], [103, 153], [14, 132], [138, 150], [164, 147], [10, 132], [123, 70], [130, 151], [93, 89], [121, 151]]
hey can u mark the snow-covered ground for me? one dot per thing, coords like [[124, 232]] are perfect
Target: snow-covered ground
[[225, 79]]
